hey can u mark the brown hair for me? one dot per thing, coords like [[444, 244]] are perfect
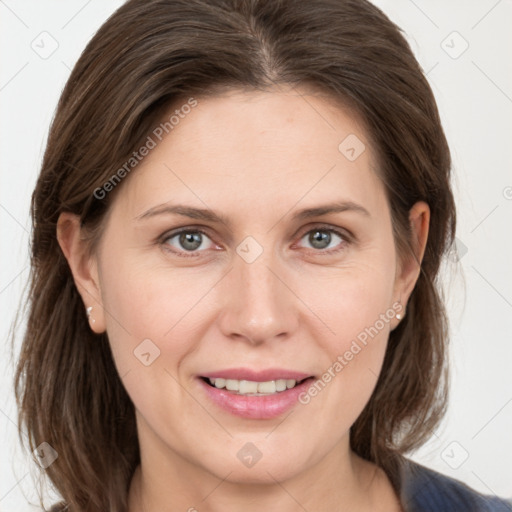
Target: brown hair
[[145, 56]]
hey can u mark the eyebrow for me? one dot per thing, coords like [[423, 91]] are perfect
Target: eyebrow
[[211, 216]]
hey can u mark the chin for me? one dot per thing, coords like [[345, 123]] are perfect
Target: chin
[[262, 473], [264, 465]]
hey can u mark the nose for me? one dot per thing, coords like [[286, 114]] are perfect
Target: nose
[[259, 305]]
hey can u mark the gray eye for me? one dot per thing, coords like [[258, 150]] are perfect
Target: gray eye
[[322, 238], [188, 241], [319, 239]]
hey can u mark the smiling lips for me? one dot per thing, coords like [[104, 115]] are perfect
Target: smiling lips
[[255, 394]]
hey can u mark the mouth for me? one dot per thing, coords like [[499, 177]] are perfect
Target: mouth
[[253, 388], [255, 395]]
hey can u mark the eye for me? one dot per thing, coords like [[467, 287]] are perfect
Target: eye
[[186, 241], [321, 237]]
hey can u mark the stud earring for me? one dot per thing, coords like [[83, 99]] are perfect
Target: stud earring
[[399, 316], [88, 312]]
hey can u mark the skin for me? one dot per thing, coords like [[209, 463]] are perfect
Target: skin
[[255, 157]]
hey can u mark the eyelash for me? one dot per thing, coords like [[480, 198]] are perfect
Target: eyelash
[[194, 254]]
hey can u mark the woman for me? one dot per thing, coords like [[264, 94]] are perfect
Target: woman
[[240, 217]]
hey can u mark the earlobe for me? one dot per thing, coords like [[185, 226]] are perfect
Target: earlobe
[[83, 267]]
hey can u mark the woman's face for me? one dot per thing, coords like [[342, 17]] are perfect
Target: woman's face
[[300, 274]]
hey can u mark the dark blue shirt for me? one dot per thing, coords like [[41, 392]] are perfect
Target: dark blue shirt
[[425, 490]]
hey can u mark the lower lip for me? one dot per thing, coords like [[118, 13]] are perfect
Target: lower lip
[[256, 407]]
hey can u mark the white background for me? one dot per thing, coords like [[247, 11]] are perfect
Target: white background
[[474, 94]]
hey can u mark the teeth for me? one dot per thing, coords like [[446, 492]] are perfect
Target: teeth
[[232, 385], [218, 383], [248, 387], [290, 383], [281, 385], [268, 387]]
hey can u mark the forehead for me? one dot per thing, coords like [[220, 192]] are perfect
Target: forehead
[[246, 123], [258, 150]]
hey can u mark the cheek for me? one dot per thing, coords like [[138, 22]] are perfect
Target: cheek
[[153, 302], [352, 298], [355, 303], [353, 364], [145, 303], [150, 329]]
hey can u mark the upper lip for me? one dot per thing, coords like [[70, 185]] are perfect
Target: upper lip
[[256, 375]]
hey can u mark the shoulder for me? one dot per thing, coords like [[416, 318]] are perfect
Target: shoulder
[[424, 490]]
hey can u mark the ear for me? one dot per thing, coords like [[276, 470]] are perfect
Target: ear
[[409, 269], [83, 266]]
